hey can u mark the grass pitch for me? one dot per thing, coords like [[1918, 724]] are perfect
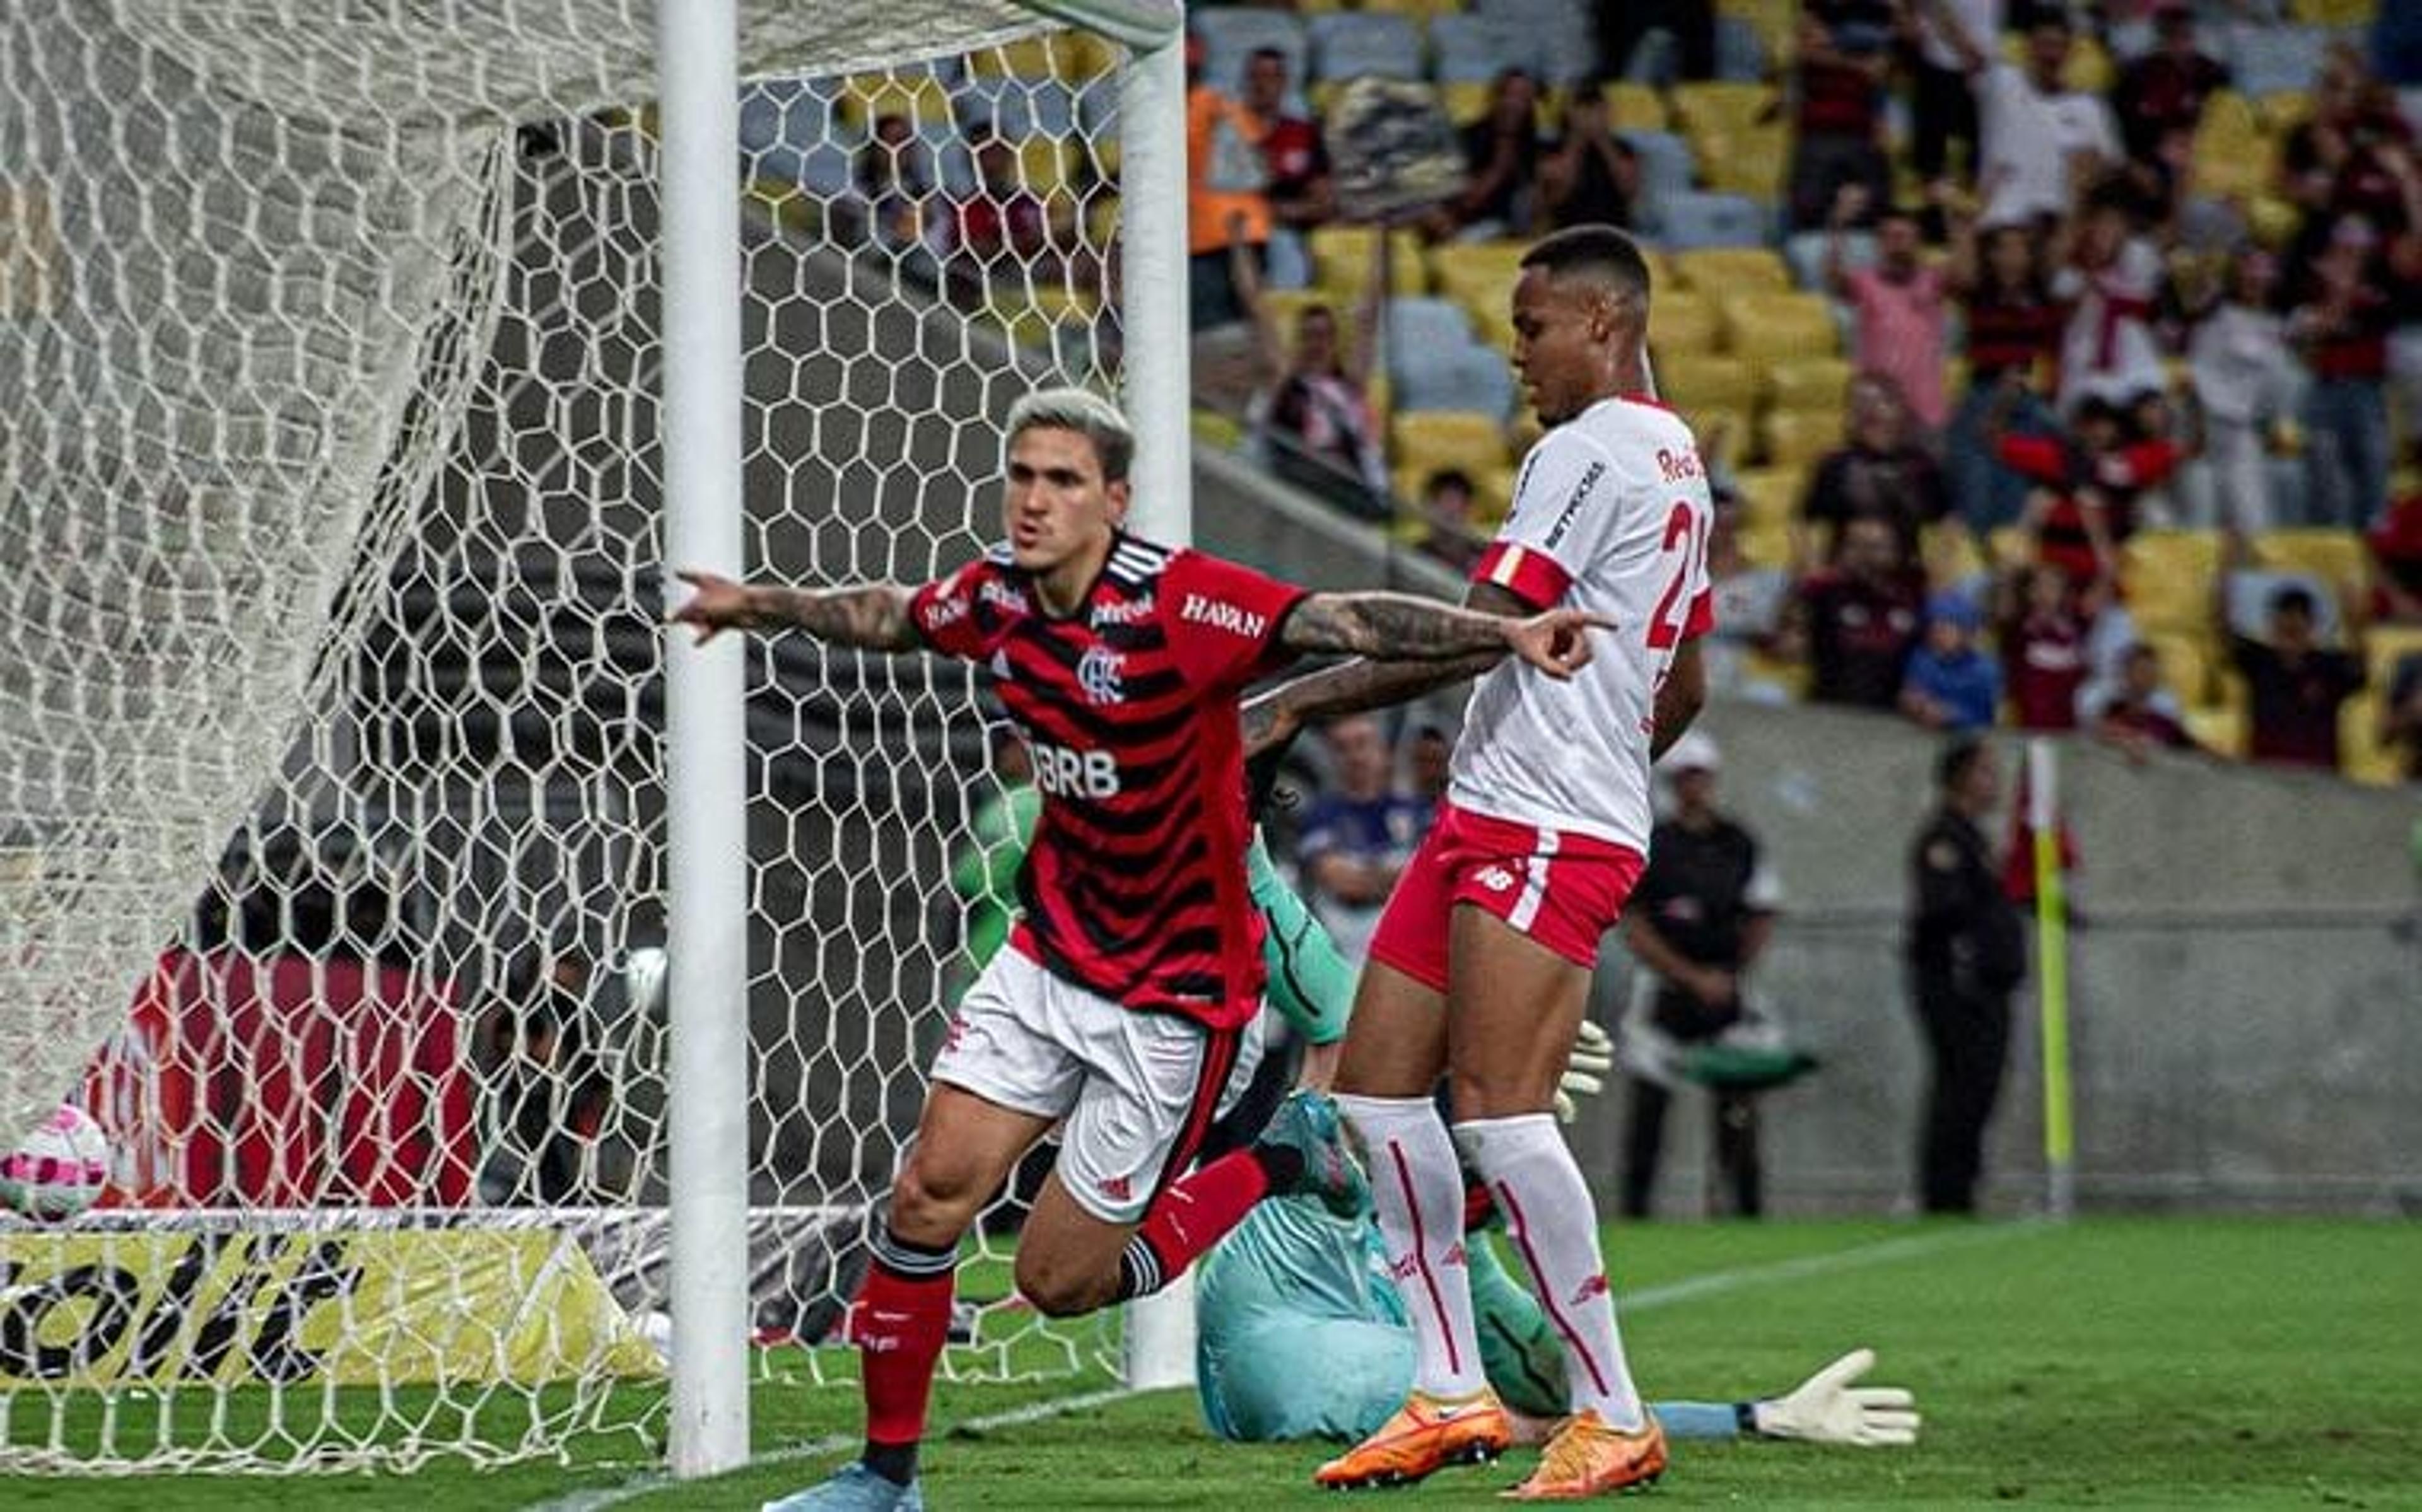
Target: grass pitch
[[2111, 1363]]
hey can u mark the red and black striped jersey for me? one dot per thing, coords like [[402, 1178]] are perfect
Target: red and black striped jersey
[[1134, 885]]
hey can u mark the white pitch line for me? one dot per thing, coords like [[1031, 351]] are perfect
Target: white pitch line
[[1646, 1299]]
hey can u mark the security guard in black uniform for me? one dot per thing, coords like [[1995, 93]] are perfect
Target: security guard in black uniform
[[1967, 953]]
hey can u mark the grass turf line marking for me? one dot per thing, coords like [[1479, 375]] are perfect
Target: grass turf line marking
[[1715, 1283], [609, 1496]]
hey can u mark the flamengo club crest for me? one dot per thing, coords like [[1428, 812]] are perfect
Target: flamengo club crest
[[1098, 672]]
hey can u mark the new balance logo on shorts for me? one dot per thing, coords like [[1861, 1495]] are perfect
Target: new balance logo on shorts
[[1497, 880]]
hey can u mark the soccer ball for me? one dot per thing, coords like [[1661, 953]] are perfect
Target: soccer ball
[[59, 1170]]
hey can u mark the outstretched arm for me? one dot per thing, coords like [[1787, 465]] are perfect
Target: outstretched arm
[[1403, 626], [1357, 686], [873, 616]]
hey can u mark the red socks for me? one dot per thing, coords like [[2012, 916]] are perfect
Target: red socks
[[1196, 1212]]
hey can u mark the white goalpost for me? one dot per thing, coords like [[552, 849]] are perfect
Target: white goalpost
[[477, 987]]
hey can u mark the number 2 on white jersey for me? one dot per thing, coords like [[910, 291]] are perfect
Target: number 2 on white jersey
[[1686, 545]]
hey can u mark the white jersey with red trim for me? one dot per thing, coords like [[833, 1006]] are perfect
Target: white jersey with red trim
[[1611, 515]]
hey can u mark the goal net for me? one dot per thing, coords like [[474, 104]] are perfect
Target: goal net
[[332, 851]]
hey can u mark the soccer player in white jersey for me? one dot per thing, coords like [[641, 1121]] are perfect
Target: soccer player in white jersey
[[1481, 964]]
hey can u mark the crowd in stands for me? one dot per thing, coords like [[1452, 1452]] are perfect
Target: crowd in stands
[[2055, 366]]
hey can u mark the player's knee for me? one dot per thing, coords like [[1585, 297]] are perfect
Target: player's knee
[[931, 1206], [1489, 1095], [1056, 1287]]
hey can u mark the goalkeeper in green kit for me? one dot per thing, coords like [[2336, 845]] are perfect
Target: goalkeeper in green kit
[[1301, 1333]]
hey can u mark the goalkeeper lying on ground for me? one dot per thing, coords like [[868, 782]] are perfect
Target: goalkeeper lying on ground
[[1301, 1333]]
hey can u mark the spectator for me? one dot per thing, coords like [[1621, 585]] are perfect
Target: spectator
[[1951, 685], [1313, 419], [1357, 836], [2341, 317], [1589, 174], [1837, 118], [1967, 953], [1451, 528], [894, 178], [1697, 921], [2395, 548], [2400, 717], [2293, 683], [2042, 139], [2046, 619], [2331, 163], [1879, 473], [1224, 204], [1500, 154], [2085, 508], [1429, 753], [2160, 97], [1749, 602], [1942, 106], [2111, 284], [1001, 221], [2141, 715], [1859, 619], [1298, 188], [2240, 365], [1902, 319], [2013, 330]]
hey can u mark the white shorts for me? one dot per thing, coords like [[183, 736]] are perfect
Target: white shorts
[[1138, 1090]]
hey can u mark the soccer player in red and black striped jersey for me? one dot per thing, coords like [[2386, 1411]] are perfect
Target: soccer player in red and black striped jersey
[[1125, 1003]]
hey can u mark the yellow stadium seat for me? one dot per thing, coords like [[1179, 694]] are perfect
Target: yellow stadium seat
[[1750, 159], [1766, 545], [1950, 552], [1214, 429], [2346, 13], [1770, 496], [920, 97], [2167, 578], [1769, 327], [1070, 55], [2337, 557], [1477, 271], [1810, 383], [1776, 23], [1426, 441], [2009, 546], [2361, 756], [2285, 110], [1715, 271], [1467, 100], [2186, 666], [1799, 438], [1636, 107], [1696, 381], [1682, 322], [2230, 118], [1722, 433], [2219, 728], [1340, 261], [1418, 10], [2236, 170], [1725, 106], [2384, 645], [2090, 69]]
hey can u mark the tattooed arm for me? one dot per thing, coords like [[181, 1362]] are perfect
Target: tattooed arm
[[1401, 627], [873, 616], [1364, 683]]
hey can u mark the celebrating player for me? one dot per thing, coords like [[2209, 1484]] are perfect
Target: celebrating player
[[1135, 968], [1481, 964]]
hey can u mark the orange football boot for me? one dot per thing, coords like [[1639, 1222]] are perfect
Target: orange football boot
[[1587, 1458], [1426, 1435]]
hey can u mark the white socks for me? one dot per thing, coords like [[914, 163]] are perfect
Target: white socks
[[1536, 1185], [1418, 1189]]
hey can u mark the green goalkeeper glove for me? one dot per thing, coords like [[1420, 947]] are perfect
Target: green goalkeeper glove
[[1827, 1409], [1586, 1072]]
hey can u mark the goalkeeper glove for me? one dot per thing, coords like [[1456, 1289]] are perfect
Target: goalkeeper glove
[[1827, 1409], [1585, 1072]]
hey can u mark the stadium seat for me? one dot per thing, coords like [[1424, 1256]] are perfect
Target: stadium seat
[[1717, 272], [1776, 23], [1769, 327], [1422, 11], [1799, 438], [1725, 106], [1340, 261], [1684, 322], [1564, 34], [1476, 48], [923, 98], [2361, 756], [1636, 107], [1815, 383], [2166, 576], [1694, 380], [1766, 545], [2336, 557], [2345, 14], [2267, 60], [1770, 496], [1723, 435], [1348, 44], [1708, 220], [2186, 666], [2219, 728], [1752, 162], [1430, 439], [1070, 55]]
